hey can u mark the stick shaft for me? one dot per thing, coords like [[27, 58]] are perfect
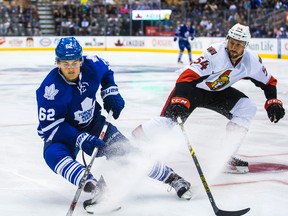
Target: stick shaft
[[200, 172], [88, 168]]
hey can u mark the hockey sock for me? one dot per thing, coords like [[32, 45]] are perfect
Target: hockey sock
[[160, 171], [180, 56], [70, 170], [190, 56]]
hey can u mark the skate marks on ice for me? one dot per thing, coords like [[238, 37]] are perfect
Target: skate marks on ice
[[267, 167], [259, 167], [272, 171], [252, 182]]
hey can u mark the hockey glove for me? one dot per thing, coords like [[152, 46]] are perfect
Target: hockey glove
[[175, 39], [275, 110], [192, 38], [179, 107], [112, 100], [87, 143]]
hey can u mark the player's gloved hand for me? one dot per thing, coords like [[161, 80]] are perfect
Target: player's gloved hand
[[113, 100], [275, 110], [192, 38], [175, 39], [179, 107], [87, 143]]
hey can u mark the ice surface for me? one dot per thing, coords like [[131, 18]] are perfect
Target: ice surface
[[29, 188]]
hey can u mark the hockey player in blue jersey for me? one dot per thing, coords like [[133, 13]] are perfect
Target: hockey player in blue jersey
[[183, 32], [70, 118]]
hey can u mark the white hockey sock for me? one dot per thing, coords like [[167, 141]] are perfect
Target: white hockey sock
[[160, 171]]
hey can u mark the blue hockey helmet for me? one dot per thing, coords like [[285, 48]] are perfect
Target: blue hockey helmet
[[68, 48]]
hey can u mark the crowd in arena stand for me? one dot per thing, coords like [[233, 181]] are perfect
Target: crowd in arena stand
[[210, 18], [18, 20]]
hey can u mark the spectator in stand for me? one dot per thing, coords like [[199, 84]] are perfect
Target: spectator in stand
[[57, 20], [71, 26], [143, 6], [15, 18], [4, 22], [259, 31], [204, 22], [167, 24], [209, 28], [124, 9], [218, 11], [4, 26], [254, 4], [37, 32], [84, 26], [64, 27], [282, 33], [125, 26], [94, 27], [212, 6]]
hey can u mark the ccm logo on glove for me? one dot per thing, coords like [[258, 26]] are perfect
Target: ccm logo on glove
[[273, 101], [275, 110], [181, 100]]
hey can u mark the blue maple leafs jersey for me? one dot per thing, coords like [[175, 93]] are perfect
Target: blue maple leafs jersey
[[183, 32], [65, 108]]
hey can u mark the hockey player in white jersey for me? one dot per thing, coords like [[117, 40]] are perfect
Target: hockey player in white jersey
[[70, 118], [207, 83]]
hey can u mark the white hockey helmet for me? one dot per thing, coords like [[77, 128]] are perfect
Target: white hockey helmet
[[240, 32]]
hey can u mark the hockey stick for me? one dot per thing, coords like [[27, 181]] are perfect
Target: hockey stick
[[217, 211], [88, 168]]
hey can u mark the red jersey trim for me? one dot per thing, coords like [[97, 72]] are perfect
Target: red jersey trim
[[188, 76]]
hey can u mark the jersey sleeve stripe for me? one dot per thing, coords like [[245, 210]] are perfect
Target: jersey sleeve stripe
[[188, 75], [54, 124], [272, 81]]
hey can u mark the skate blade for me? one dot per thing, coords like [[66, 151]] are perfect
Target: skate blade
[[236, 170], [187, 195]]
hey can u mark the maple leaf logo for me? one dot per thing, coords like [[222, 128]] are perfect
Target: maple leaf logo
[[50, 92], [85, 115]]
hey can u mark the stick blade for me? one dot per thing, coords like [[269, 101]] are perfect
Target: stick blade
[[101, 208], [232, 213]]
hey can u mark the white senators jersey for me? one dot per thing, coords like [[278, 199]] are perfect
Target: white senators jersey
[[213, 70]]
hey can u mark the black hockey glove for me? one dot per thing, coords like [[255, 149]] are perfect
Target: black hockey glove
[[113, 100], [175, 39], [179, 107], [87, 143], [275, 110], [192, 38]]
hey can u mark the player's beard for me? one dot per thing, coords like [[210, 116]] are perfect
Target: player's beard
[[234, 56]]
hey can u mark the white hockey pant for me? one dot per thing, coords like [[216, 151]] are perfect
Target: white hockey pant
[[153, 128], [236, 129]]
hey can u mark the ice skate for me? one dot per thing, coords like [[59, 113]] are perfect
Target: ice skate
[[100, 202], [181, 186], [97, 190], [237, 166], [90, 185]]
